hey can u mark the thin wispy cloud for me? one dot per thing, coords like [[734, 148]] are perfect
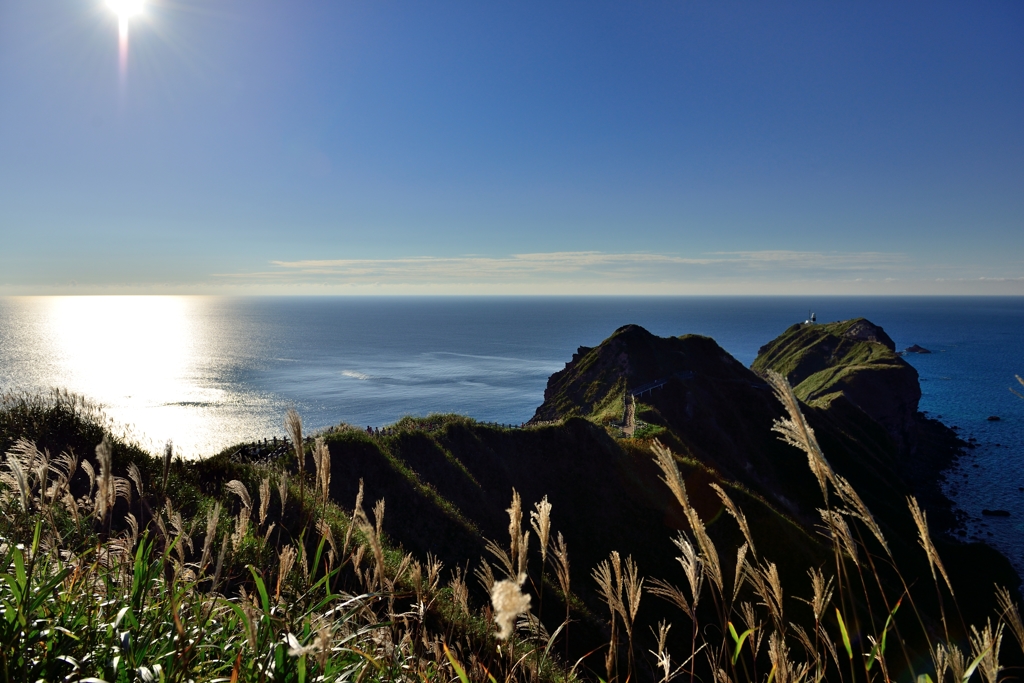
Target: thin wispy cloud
[[574, 266]]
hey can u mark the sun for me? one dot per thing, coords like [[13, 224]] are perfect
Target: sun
[[125, 9]]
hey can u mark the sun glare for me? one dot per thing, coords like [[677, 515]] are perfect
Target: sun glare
[[125, 9]]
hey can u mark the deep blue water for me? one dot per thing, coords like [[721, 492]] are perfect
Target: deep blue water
[[208, 372]]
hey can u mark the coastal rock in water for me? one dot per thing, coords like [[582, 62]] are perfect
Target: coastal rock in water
[[995, 513], [916, 349], [993, 418]]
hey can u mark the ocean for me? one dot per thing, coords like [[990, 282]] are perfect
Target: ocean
[[208, 372]]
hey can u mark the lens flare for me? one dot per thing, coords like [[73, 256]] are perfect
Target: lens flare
[[125, 10]]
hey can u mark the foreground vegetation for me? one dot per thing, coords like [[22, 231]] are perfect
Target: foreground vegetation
[[117, 566]]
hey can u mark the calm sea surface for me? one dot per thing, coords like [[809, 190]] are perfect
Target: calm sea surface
[[210, 372]]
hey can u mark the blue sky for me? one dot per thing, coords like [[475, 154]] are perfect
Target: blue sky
[[265, 146]]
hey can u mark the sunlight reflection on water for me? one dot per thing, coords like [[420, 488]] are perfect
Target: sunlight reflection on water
[[150, 361]]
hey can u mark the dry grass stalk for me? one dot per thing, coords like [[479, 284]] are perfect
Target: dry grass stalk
[[238, 488], [285, 561], [91, 473], [750, 621], [925, 539], [948, 658], [671, 594], [540, 520], [821, 592], [136, 477], [502, 557], [19, 481], [736, 514], [508, 602], [241, 529], [986, 644], [212, 519], [220, 561], [856, 508], [293, 425], [485, 576], [322, 458], [282, 489], [264, 500], [1010, 614], [673, 479], [693, 568], [324, 529], [105, 493], [741, 564], [796, 432], [460, 591], [561, 556], [670, 473], [709, 553], [786, 671], [768, 587], [378, 518], [839, 532], [352, 526], [633, 585], [663, 660], [515, 526]]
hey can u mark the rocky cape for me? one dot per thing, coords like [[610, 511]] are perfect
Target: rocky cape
[[447, 480], [452, 479]]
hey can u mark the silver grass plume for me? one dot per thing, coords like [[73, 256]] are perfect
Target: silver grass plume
[[264, 500], [796, 432], [925, 539], [105, 491], [1010, 614], [857, 509], [238, 488], [670, 473], [768, 587], [741, 568], [786, 671], [285, 562], [985, 644], [671, 594], [293, 425], [710, 554], [282, 490], [515, 525], [324, 529], [540, 520], [821, 593], [508, 602], [136, 477], [634, 591], [322, 457], [693, 568], [949, 658], [839, 532], [91, 473], [20, 481], [736, 514], [212, 519], [561, 555], [485, 576]]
